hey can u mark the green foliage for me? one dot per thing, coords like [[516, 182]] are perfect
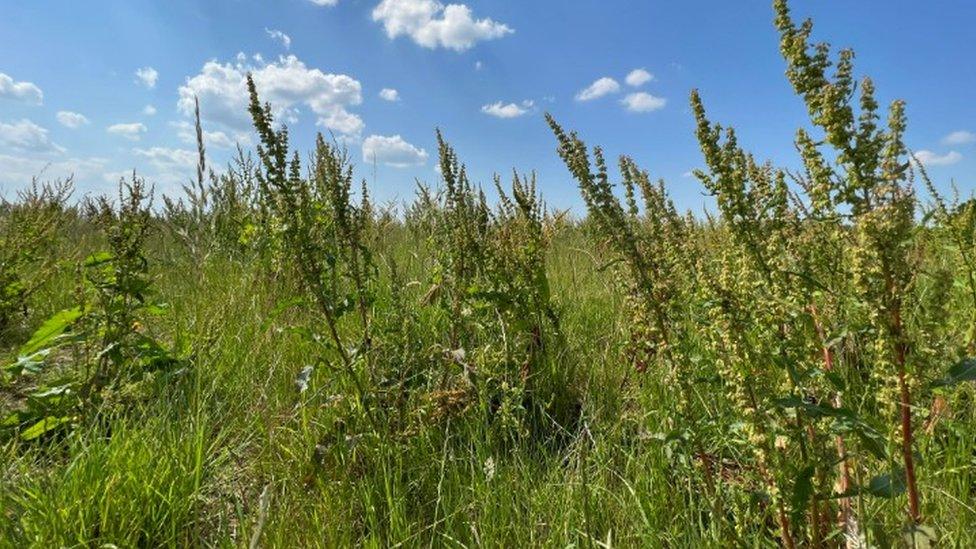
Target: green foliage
[[28, 232], [80, 359]]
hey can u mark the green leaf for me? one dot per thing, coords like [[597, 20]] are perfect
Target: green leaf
[[887, 486], [98, 259], [965, 370], [802, 492], [31, 364], [919, 537], [11, 420], [43, 426], [157, 309], [50, 330]]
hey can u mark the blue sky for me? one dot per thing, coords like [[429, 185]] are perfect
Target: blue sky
[[101, 87]]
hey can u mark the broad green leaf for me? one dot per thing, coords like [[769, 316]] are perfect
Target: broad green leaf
[[43, 426], [802, 492], [31, 364], [965, 370], [50, 330], [887, 486], [919, 536]]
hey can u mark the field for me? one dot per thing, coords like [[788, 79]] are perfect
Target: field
[[273, 360]]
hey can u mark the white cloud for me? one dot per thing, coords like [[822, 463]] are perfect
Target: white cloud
[[72, 120], [961, 137], [389, 94], [392, 151], [432, 24], [342, 122], [131, 131], [478, 65], [147, 76], [25, 135], [20, 91], [164, 158], [149, 110], [279, 37], [324, 2], [638, 77], [16, 171], [173, 167], [217, 139], [287, 83], [643, 102], [929, 158], [601, 87], [509, 110]]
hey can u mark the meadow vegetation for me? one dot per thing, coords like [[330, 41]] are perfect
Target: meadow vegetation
[[274, 360]]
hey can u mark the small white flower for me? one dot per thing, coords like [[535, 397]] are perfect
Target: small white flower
[[489, 469], [301, 382], [458, 355]]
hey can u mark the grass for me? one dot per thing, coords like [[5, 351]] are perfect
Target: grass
[[189, 467]]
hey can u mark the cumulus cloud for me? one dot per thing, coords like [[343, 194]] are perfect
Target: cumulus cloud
[[603, 86], [638, 77], [27, 136], [324, 2], [279, 37], [147, 76], [929, 158], [287, 83], [392, 151], [71, 120], [342, 122], [20, 91], [961, 137], [131, 131], [643, 102], [149, 110], [507, 110], [432, 24], [389, 94]]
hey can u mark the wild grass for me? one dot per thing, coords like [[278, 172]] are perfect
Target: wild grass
[[275, 361]]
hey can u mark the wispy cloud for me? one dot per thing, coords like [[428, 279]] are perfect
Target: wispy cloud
[[960, 137], [27, 92], [279, 37], [132, 131], [601, 87], [929, 158], [72, 120], [25, 135], [508, 110], [643, 102], [147, 76]]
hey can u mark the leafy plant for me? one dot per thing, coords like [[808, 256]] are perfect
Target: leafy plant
[[83, 360], [28, 231]]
